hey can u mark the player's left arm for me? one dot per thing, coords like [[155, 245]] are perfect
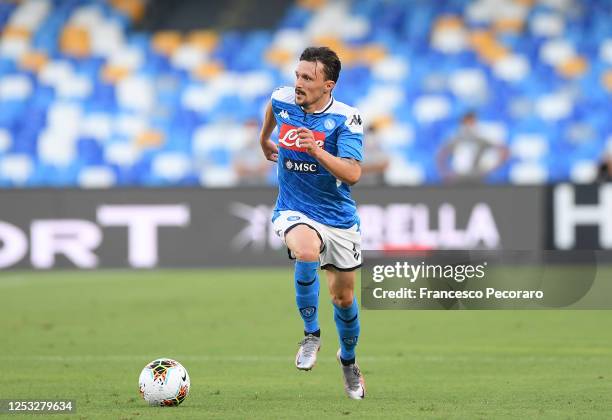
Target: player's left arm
[[346, 169], [503, 153]]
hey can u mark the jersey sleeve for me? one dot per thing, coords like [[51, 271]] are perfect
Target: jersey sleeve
[[350, 137], [283, 94], [280, 98]]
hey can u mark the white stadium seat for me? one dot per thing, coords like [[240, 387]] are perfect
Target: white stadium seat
[[218, 177], [547, 25], [17, 168], [171, 166], [401, 172], [431, 108], [136, 93], [554, 107], [512, 68], [529, 146], [528, 173], [96, 177], [122, 154], [584, 171], [6, 140], [15, 87]]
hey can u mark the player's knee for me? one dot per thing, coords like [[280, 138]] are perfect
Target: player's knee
[[308, 254], [343, 298]]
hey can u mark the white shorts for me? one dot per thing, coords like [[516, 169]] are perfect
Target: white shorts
[[340, 249]]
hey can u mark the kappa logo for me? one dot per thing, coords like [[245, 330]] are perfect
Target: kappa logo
[[356, 253], [350, 341], [288, 138], [355, 120], [301, 166], [284, 114], [308, 311]]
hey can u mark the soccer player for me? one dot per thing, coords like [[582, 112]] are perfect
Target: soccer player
[[318, 155], [467, 150]]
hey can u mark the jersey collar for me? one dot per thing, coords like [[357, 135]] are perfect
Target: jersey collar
[[325, 108]]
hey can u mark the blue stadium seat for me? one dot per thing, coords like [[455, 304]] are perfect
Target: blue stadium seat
[[403, 30]]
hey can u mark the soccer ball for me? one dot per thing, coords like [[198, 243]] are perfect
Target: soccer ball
[[164, 382]]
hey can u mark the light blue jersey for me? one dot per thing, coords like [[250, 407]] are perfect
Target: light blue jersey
[[304, 184]]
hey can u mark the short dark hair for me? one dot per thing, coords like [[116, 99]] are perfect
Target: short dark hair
[[470, 115], [327, 57]]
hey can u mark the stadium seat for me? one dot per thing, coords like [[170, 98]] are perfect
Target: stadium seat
[[136, 93], [396, 136], [97, 93], [400, 172], [16, 168], [430, 108], [512, 68], [122, 154], [171, 166], [97, 177], [15, 87], [6, 140], [218, 177], [528, 173], [469, 85], [391, 69], [547, 25], [583, 172], [529, 146], [554, 107]]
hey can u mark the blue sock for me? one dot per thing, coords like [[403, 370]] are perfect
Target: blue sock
[[347, 324], [307, 294]]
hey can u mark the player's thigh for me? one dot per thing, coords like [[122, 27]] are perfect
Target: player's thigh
[[341, 286], [304, 243]]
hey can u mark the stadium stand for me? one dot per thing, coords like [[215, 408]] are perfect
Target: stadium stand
[[87, 100]]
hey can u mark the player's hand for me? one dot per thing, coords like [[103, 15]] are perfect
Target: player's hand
[[270, 150], [307, 141]]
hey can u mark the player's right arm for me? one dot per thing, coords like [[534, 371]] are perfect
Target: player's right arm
[[269, 148], [442, 161]]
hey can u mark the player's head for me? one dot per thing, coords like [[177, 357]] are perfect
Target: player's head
[[469, 118], [316, 75]]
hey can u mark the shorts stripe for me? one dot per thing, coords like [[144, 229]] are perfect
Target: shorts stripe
[[311, 227], [328, 266]]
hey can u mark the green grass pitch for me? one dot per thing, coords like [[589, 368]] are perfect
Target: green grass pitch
[[87, 335]]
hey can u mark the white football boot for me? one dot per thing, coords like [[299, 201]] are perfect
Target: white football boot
[[306, 356], [354, 384]]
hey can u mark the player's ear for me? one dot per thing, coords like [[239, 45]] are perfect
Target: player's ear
[[329, 85]]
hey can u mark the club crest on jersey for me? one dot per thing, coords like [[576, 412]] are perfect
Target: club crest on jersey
[[288, 138], [329, 124], [301, 166]]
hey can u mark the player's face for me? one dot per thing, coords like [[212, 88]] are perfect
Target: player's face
[[310, 84]]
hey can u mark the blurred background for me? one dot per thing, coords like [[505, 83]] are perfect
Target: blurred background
[[476, 113], [118, 93], [129, 143]]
